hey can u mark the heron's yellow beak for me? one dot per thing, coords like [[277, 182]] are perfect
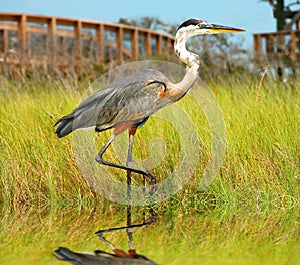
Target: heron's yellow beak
[[223, 29]]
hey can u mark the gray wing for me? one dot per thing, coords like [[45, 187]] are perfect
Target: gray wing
[[132, 99]]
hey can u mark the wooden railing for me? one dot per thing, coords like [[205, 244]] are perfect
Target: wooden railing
[[284, 45], [31, 41]]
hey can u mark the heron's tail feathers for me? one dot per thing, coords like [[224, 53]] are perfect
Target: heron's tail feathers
[[65, 125]]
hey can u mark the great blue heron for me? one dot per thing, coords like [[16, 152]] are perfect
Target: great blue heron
[[128, 103]]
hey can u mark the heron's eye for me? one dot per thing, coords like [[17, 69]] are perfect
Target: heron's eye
[[202, 26]]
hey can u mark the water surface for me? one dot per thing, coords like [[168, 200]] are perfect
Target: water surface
[[217, 235]]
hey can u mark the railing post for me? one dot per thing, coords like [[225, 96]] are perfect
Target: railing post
[[5, 41], [52, 44], [22, 38], [159, 44], [257, 45], [135, 45], [148, 44], [167, 47], [77, 42], [100, 43], [120, 45]]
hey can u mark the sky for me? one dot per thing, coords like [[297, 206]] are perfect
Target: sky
[[252, 15]]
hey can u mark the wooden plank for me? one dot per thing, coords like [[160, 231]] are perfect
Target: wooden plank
[[5, 41], [148, 49], [10, 16], [22, 38], [100, 43], [65, 33], [66, 22], [40, 19], [52, 44], [158, 44], [7, 26], [36, 29], [111, 28], [167, 47], [257, 44], [135, 45], [90, 24], [77, 41], [119, 43]]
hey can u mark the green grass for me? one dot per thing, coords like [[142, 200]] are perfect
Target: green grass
[[248, 215]]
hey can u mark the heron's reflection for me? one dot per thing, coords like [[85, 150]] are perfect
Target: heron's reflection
[[118, 256]]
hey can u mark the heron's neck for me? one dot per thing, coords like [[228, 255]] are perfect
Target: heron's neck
[[190, 59]]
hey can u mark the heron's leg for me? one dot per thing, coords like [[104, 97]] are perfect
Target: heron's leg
[[100, 160], [131, 133]]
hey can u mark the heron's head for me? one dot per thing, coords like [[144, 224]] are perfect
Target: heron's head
[[194, 27]]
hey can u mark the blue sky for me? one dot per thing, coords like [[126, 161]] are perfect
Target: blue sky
[[253, 15]]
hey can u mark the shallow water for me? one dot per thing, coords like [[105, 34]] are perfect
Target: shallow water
[[29, 235]]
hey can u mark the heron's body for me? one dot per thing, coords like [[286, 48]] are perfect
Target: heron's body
[[128, 103], [125, 103]]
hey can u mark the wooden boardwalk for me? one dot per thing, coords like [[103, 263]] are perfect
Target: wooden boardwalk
[[282, 45], [51, 43]]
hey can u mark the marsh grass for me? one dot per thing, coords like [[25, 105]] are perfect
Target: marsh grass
[[31, 170], [262, 159], [248, 215]]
